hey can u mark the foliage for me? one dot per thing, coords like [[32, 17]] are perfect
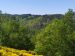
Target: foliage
[[5, 51], [50, 35], [56, 39]]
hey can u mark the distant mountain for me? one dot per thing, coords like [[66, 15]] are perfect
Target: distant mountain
[[34, 21]]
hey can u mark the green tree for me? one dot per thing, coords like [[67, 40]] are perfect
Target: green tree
[[15, 35], [56, 38]]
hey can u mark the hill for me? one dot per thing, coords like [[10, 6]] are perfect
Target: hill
[[49, 35]]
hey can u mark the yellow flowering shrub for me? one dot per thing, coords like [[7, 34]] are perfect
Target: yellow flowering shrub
[[5, 51]]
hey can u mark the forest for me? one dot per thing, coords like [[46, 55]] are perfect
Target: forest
[[46, 35]]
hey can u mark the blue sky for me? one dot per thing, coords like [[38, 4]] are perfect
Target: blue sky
[[36, 6]]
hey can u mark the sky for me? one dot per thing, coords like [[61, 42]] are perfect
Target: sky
[[36, 6]]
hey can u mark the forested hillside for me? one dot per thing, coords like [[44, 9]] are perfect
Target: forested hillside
[[47, 35]]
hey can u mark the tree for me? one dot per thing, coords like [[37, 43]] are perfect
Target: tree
[[15, 35], [57, 38]]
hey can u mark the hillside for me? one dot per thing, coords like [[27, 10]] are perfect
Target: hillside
[[48, 35]]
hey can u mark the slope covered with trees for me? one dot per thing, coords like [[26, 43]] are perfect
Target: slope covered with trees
[[57, 38], [49, 35]]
